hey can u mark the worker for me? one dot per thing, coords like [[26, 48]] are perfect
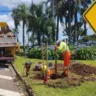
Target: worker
[[64, 49]]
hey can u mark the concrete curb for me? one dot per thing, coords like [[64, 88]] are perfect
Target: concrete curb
[[28, 89]]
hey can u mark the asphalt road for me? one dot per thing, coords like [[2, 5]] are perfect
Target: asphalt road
[[8, 85]]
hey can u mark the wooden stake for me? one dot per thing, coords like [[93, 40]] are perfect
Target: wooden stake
[[43, 59]]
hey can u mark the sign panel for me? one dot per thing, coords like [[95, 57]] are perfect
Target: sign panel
[[90, 16]]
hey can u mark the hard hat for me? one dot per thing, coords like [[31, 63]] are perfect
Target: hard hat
[[57, 42]]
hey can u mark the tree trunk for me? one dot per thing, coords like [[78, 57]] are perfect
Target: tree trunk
[[76, 26], [33, 39], [57, 35], [23, 36], [85, 28], [38, 38], [69, 23], [53, 26], [57, 21], [28, 39]]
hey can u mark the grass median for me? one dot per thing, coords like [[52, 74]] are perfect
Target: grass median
[[85, 89]]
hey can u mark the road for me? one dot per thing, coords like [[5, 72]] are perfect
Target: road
[[8, 85]]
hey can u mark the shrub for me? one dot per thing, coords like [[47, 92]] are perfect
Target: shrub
[[37, 53], [34, 53], [21, 53], [86, 53]]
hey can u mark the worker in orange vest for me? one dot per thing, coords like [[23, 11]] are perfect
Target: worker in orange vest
[[64, 49]]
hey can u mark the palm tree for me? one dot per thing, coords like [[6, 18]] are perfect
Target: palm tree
[[60, 14], [20, 14], [84, 7], [16, 18], [23, 17], [65, 9], [41, 25], [15, 31], [31, 18]]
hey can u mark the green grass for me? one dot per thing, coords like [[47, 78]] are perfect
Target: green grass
[[86, 88], [89, 62]]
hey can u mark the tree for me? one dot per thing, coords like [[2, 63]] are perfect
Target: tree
[[20, 14], [84, 5], [41, 26], [16, 18], [23, 17], [15, 31]]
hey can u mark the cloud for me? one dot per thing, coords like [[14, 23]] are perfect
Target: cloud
[[14, 3], [8, 19]]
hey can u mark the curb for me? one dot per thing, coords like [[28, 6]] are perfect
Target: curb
[[28, 89]]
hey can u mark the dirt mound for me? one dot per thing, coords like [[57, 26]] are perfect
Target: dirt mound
[[79, 68], [82, 69]]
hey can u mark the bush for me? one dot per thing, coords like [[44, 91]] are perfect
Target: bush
[[86, 53], [34, 53], [21, 53], [71, 47], [37, 53]]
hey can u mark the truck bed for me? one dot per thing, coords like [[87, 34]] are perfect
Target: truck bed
[[7, 41], [6, 58]]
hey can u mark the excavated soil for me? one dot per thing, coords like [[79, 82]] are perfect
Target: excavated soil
[[79, 68], [82, 69]]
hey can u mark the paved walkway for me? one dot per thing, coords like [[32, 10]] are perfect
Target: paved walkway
[[8, 87]]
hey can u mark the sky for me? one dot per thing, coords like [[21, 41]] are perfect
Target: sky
[[5, 15]]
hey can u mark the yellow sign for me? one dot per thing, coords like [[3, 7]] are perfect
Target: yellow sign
[[90, 16]]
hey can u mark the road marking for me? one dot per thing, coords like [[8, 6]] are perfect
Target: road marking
[[6, 77], [10, 93], [4, 69]]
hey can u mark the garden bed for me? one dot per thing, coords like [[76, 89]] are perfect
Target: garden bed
[[78, 73]]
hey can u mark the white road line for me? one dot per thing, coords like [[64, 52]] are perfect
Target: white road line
[[6, 77], [4, 69], [10, 93]]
